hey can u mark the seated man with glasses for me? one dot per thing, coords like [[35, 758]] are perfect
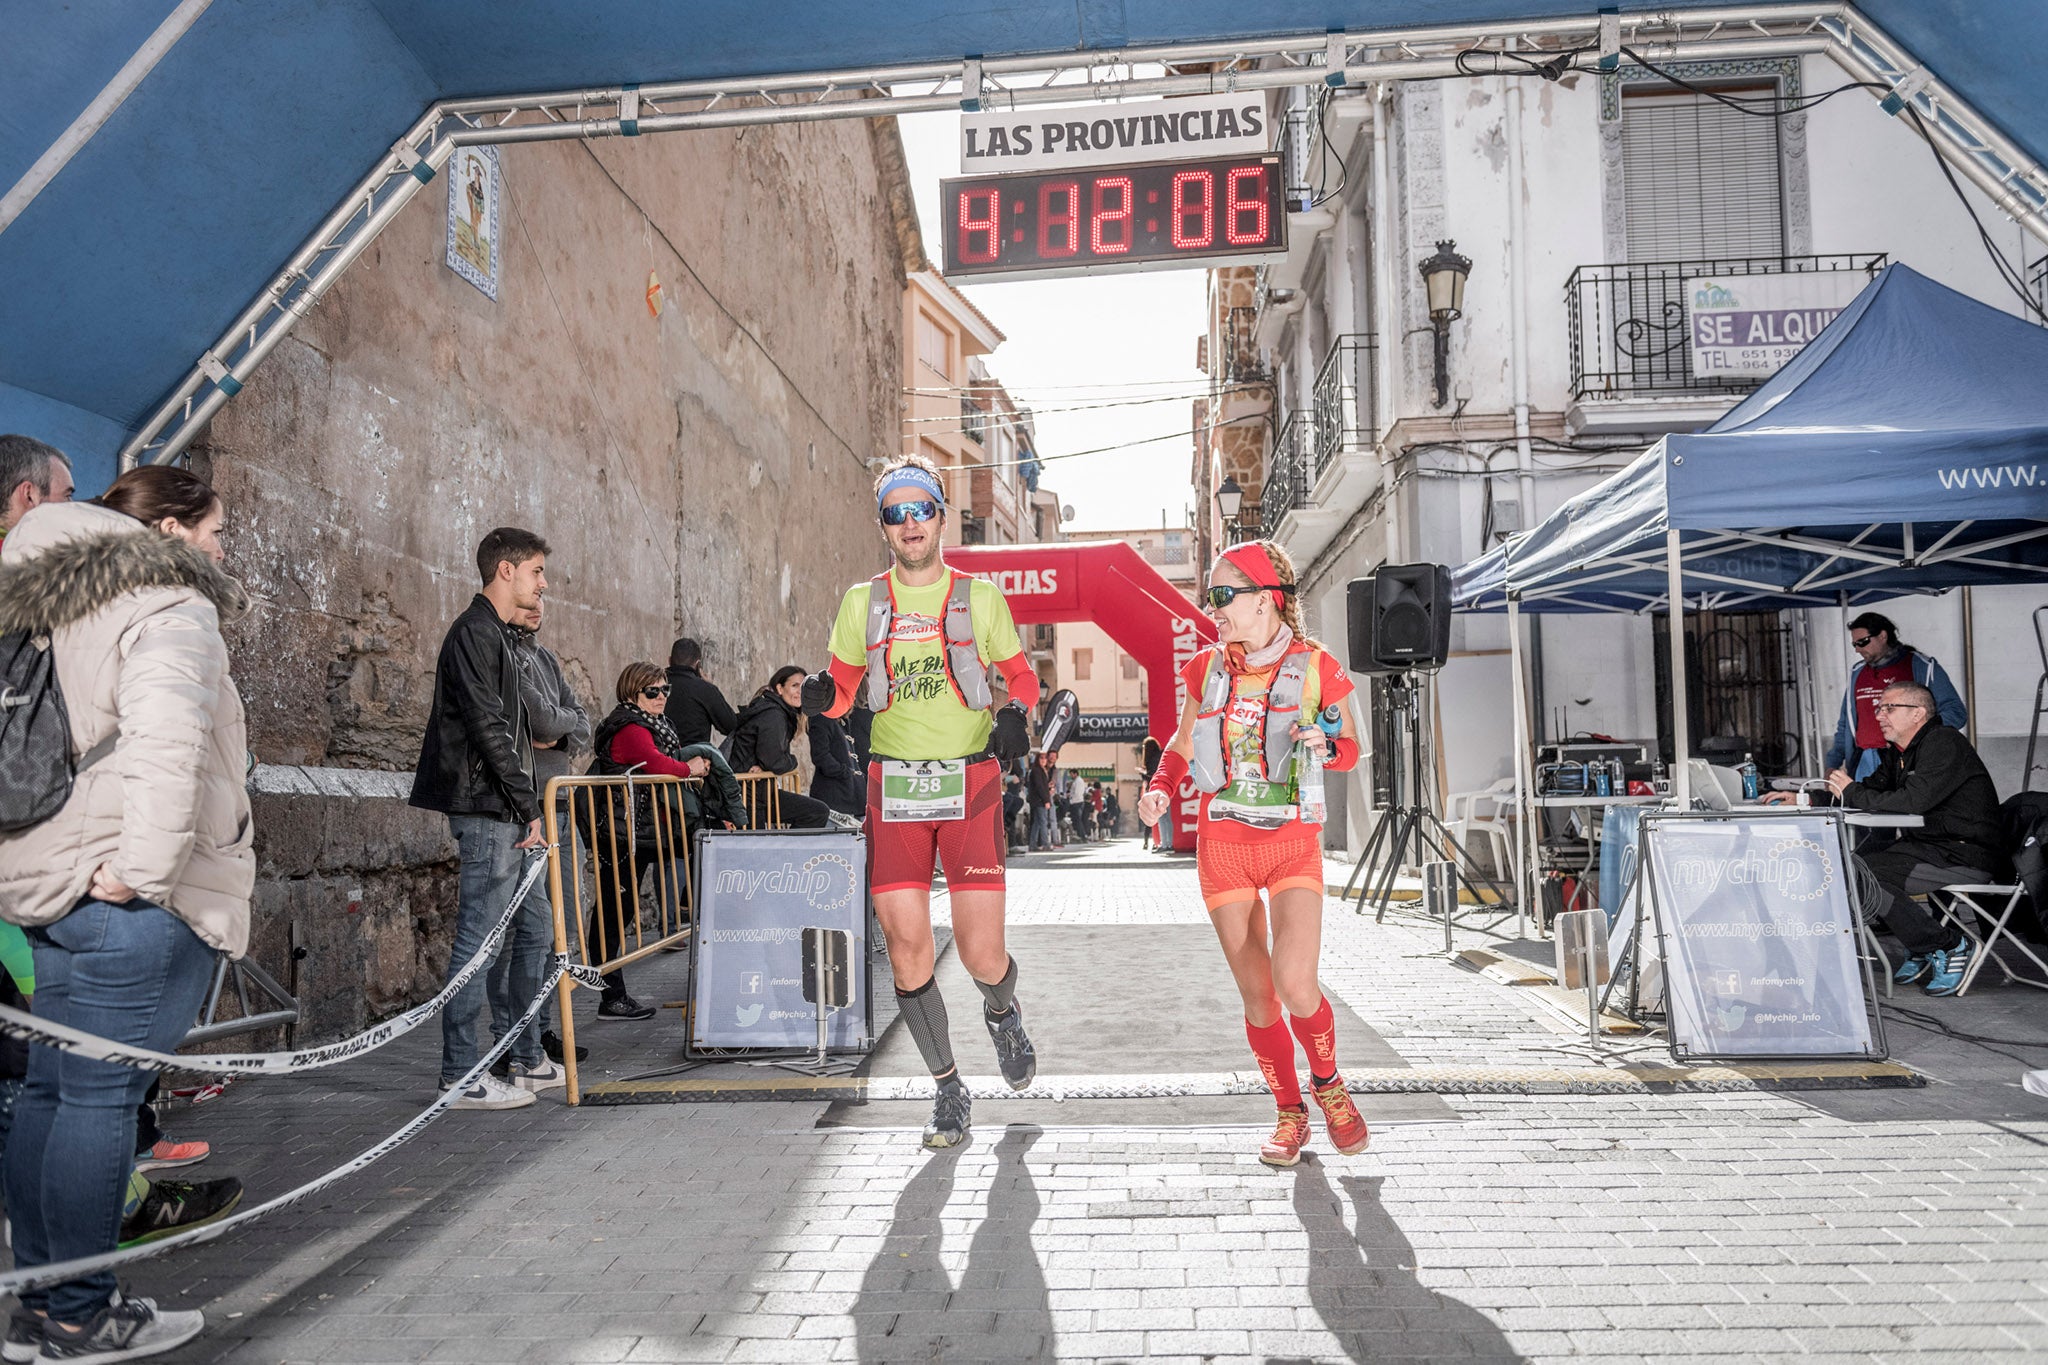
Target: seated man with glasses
[[1927, 769]]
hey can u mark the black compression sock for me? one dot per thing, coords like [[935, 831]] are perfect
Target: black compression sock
[[924, 1012], [1001, 994]]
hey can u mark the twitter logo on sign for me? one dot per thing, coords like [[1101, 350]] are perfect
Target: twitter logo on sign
[[748, 1015]]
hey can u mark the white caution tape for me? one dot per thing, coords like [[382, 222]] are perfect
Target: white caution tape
[[64, 1038], [36, 1277]]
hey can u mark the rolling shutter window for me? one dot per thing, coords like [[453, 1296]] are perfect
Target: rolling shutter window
[[1700, 179]]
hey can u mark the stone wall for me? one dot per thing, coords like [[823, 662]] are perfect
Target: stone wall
[[700, 472]]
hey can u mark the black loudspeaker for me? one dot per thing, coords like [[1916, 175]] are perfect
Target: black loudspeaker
[[1400, 617]]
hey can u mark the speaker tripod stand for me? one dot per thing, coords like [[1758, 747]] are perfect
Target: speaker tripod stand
[[1409, 818]]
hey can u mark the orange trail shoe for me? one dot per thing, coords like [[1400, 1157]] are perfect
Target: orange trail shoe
[[1290, 1135], [1348, 1133]]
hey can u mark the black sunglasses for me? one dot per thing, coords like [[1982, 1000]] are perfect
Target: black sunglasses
[[1223, 594], [1861, 640], [661, 690]]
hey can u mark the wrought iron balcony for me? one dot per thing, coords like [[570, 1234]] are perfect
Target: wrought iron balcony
[[974, 420], [1242, 363], [1248, 524], [1290, 471], [1344, 399], [1300, 139], [1628, 324]]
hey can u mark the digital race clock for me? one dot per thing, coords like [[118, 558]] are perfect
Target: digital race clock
[[1114, 217]]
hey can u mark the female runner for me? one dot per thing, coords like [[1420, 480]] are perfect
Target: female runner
[[1239, 735]]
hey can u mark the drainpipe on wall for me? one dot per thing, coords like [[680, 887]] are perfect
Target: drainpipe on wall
[[1518, 353], [1384, 253]]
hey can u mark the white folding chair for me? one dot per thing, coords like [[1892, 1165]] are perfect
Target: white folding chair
[[1465, 819], [1967, 912]]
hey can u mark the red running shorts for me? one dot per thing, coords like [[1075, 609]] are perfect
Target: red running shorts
[[903, 854], [1234, 870]]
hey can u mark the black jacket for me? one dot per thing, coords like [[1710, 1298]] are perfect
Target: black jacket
[[1939, 778], [696, 707], [477, 755], [837, 782], [761, 738], [1038, 786]]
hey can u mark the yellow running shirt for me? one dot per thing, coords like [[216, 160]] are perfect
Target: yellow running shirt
[[926, 720]]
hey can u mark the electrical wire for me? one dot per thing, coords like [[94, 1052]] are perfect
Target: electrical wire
[[1183, 433], [1097, 407], [1991, 1043]]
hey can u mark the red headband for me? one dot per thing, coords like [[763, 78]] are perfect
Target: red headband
[[1252, 560]]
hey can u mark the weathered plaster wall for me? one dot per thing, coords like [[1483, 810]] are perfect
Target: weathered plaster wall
[[701, 472]]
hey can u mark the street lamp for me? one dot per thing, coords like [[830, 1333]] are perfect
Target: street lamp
[[1229, 498], [1443, 276]]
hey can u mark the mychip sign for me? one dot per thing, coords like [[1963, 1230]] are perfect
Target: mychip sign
[[1758, 929], [1747, 326], [756, 894]]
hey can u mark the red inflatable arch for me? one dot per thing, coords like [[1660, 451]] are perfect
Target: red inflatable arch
[[1111, 584]]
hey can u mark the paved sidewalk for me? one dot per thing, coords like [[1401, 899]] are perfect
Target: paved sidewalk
[[1835, 1226]]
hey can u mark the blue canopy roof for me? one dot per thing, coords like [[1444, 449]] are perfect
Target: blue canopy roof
[[1904, 450], [197, 189]]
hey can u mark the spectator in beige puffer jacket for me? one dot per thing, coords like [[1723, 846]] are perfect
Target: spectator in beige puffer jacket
[[127, 892]]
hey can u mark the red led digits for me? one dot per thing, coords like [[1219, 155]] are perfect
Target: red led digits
[[1239, 203], [1201, 209], [1059, 229], [1102, 216], [980, 236]]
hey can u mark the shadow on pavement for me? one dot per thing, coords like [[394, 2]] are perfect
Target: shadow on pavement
[[909, 1308], [1362, 1281]]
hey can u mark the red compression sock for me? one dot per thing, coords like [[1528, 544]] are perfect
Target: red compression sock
[[1275, 1053], [1318, 1034]]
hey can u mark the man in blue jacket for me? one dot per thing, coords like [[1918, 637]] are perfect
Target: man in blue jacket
[[1884, 659]]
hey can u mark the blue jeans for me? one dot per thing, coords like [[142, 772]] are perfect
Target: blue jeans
[[1041, 827], [490, 873], [522, 963], [132, 973]]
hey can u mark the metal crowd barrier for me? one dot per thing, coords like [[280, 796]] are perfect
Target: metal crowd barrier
[[763, 792], [619, 886]]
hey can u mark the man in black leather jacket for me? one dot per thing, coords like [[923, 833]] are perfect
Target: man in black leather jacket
[[477, 768]]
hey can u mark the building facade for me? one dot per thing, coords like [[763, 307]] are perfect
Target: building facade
[[1582, 207]]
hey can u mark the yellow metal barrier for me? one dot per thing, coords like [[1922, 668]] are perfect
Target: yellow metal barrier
[[609, 833], [764, 795]]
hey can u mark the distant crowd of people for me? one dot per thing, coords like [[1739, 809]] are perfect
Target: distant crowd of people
[[1045, 809]]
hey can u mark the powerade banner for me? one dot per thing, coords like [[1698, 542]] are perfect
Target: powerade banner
[[1759, 936], [756, 893], [1115, 727]]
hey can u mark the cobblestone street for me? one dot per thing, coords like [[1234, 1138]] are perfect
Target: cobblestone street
[[1836, 1226]]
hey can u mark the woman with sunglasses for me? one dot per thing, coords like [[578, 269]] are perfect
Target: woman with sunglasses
[[636, 738], [1241, 736]]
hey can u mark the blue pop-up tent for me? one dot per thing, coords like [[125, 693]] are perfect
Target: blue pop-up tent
[[1904, 450]]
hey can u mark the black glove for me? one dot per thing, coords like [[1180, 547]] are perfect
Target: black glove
[[1012, 738], [819, 694]]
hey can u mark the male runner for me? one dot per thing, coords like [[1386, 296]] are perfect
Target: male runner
[[915, 644]]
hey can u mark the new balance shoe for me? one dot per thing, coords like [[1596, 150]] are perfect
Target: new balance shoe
[[175, 1205], [1014, 1052], [551, 1043], [1916, 968], [167, 1153], [1290, 1135], [539, 1076], [624, 1007], [491, 1093], [126, 1329], [1348, 1133], [1949, 966], [24, 1337], [952, 1112]]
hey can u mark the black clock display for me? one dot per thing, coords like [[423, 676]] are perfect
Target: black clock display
[[1102, 218]]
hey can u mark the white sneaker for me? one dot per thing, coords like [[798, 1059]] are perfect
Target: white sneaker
[[2036, 1082], [126, 1329], [491, 1093], [542, 1075]]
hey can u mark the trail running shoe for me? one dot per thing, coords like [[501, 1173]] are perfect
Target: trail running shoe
[[175, 1205], [951, 1114], [1915, 968], [1949, 966], [1290, 1135], [126, 1329], [1014, 1052], [1348, 1133], [551, 1043], [169, 1152], [624, 1007]]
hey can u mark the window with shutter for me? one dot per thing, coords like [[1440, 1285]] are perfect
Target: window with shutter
[[1699, 179]]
